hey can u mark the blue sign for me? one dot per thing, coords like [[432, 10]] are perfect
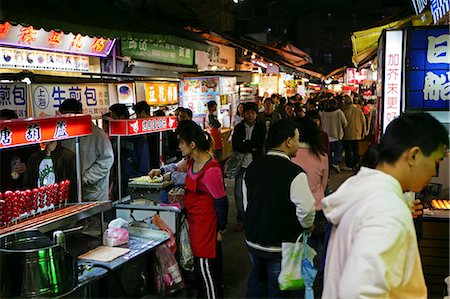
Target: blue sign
[[428, 69], [439, 8]]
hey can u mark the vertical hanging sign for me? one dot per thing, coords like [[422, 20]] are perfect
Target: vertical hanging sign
[[392, 91]]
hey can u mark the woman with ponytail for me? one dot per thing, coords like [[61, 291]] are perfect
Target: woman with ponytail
[[206, 204]]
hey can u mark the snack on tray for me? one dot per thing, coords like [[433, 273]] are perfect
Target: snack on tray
[[147, 180]]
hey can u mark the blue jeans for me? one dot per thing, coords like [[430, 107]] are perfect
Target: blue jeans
[[263, 280], [336, 152]]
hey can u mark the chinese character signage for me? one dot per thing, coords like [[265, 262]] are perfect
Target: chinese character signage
[[392, 89], [141, 126], [161, 93], [428, 72], [39, 60], [18, 132], [14, 96], [196, 92], [439, 8], [58, 41], [168, 53], [419, 6], [47, 98], [356, 77]]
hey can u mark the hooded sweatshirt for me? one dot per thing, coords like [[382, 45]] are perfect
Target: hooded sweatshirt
[[333, 123], [372, 251]]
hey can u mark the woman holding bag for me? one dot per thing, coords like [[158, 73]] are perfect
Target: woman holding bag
[[206, 204]]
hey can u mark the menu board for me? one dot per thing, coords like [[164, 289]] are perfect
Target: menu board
[[161, 93], [196, 92]]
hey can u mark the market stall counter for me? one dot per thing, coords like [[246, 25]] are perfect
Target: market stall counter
[[146, 196]]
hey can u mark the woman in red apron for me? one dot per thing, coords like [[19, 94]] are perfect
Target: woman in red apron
[[206, 204]]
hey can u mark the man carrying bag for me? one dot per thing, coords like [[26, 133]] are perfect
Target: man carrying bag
[[278, 207]]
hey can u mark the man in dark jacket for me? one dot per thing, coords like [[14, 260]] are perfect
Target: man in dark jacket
[[248, 139], [278, 207]]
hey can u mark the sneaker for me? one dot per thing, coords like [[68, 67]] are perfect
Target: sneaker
[[336, 168], [348, 168]]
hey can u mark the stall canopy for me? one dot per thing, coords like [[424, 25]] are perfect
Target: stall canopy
[[281, 53], [99, 18], [365, 42]]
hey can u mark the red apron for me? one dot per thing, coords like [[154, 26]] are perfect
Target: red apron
[[217, 137], [201, 214]]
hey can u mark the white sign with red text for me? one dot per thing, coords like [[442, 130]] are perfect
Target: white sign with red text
[[392, 91]]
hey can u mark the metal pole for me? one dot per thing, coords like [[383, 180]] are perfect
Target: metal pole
[[119, 169], [161, 157], [78, 165]]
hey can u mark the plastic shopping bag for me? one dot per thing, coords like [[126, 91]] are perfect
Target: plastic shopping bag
[[186, 255], [168, 279], [290, 277], [172, 244], [309, 272]]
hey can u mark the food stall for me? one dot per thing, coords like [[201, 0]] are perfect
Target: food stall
[[413, 66], [39, 253], [146, 198]]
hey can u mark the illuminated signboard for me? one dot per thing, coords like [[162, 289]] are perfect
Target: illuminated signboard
[[47, 98], [140, 126], [356, 77], [419, 5], [161, 93], [40, 60], [58, 41], [392, 89], [428, 71], [19, 132], [14, 96], [196, 92], [439, 8]]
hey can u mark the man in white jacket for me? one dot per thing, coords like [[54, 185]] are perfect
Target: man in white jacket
[[373, 251]]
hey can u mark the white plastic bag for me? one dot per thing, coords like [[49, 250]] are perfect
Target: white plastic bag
[[290, 277], [186, 255]]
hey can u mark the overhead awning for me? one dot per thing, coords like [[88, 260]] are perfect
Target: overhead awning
[[365, 42], [284, 54], [94, 18]]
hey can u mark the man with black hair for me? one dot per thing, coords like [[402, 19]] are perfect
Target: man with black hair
[[372, 250], [142, 109], [279, 206], [96, 157], [185, 114], [119, 111], [248, 139]]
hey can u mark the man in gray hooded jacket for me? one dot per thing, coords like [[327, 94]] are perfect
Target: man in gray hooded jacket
[[96, 155]]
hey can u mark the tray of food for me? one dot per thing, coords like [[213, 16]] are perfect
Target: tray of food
[[147, 182]]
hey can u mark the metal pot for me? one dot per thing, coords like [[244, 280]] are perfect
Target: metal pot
[[32, 266]]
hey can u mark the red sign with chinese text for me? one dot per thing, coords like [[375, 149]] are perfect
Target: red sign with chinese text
[[130, 127], [19, 132], [29, 37]]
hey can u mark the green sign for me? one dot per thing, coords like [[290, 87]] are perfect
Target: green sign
[[163, 52]]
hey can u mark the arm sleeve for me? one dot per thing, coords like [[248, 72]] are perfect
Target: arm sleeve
[[303, 199], [244, 193], [178, 177], [344, 119], [104, 161], [326, 171], [213, 181], [168, 168], [377, 259]]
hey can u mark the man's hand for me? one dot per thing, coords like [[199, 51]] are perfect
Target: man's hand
[[220, 235], [154, 172], [167, 176], [20, 168], [310, 229], [418, 208]]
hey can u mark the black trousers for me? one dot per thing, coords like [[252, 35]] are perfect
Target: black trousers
[[208, 274], [351, 148]]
